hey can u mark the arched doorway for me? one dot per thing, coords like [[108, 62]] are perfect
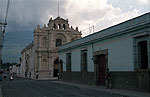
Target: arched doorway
[[56, 67]]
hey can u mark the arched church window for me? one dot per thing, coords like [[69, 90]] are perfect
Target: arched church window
[[58, 42], [59, 26], [64, 26], [54, 26]]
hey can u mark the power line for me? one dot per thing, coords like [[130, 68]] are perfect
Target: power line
[[89, 28]]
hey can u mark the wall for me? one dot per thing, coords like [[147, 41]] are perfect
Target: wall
[[75, 57], [62, 56], [75, 75], [27, 54], [120, 52], [22, 67], [120, 57]]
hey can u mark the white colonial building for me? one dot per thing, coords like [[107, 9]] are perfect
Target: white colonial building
[[41, 57], [123, 48], [27, 62]]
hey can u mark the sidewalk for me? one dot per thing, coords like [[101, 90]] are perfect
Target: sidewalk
[[51, 78], [0, 90], [125, 93]]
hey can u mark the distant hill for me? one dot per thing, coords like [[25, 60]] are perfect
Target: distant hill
[[13, 44]]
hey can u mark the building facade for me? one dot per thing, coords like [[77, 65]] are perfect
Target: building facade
[[46, 42], [27, 67], [123, 48], [0, 43]]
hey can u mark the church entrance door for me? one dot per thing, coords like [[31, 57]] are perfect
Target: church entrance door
[[56, 68]]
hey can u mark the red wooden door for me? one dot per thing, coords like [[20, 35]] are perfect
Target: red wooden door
[[102, 69]]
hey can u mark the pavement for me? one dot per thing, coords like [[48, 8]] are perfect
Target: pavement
[[21, 87], [0, 90], [51, 78], [124, 93]]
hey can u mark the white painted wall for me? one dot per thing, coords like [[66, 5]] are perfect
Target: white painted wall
[[30, 52], [75, 57], [90, 58], [14, 69], [120, 54], [22, 67], [62, 56]]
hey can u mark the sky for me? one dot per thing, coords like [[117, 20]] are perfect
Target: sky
[[25, 15]]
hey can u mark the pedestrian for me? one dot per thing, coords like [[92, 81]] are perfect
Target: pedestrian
[[37, 76], [4, 75], [58, 76], [30, 74], [108, 79], [25, 74]]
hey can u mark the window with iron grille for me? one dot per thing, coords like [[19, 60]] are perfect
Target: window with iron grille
[[83, 60], [68, 61]]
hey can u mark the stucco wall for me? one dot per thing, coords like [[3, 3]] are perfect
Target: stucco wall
[[75, 60], [30, 53], [62, 56], [22, 67], [120, 54]]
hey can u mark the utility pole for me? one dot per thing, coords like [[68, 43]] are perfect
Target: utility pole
[[0, 43], [2, 32]]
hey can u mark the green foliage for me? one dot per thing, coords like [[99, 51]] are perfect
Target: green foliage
[[7, 65]]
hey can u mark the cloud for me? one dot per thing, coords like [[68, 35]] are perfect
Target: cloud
[[99, 13], [25, 15], [144, 1]]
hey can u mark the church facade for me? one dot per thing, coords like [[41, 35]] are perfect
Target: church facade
[[46, 42]]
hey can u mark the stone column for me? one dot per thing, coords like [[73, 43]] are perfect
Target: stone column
[[49, 41], [52, 41], [40, 61], [49, 66], [39, 41]]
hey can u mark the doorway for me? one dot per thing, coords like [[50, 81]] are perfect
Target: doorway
[[101, 69], [100, 59], [55, 73], [143, 55]]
